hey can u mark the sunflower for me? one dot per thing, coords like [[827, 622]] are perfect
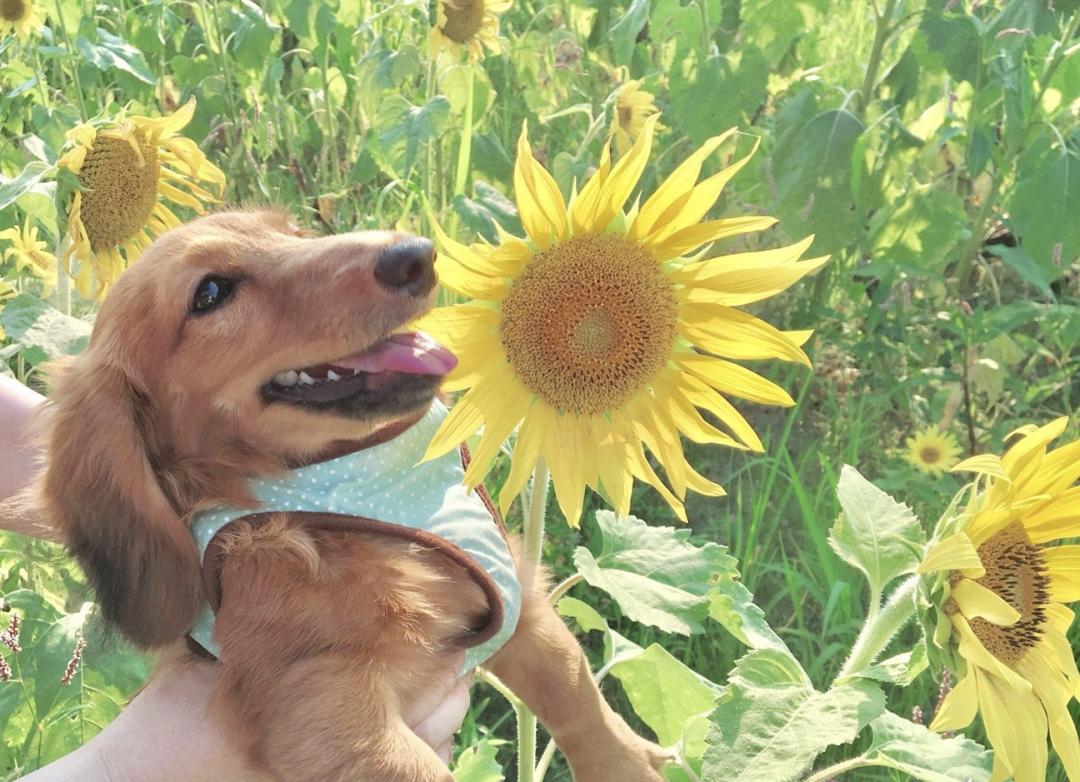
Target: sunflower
[[594, 333], [29, 253], [467, 24], [932, 451], [126, 170], [633, 106], [999, 598], [20, 16]]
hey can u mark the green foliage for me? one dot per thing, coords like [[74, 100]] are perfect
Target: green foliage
[[930, 146]]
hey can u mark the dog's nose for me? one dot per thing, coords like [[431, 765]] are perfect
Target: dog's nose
[[407, 267]]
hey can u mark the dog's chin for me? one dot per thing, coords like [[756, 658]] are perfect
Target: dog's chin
[[364, 396]]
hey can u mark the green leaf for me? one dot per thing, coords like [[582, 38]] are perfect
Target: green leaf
[[403, 129], [624, 33], [10, 189], [954, 38], [47, 332], [771, 724], [655, 574], [732, 605], [921, 232], [488, 209], [912, 749], [900, 669], [875, 533], [52, 651], [664, 692], [1017, 259], [454, 84], [720, 91], [479, 763], [114, 53], [587, 616], [1044, 207]]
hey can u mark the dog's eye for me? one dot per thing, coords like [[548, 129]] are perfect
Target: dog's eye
[[212, 291]]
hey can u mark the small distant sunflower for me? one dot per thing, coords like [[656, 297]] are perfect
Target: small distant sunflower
[[467, 24], [633, 106], [933, 451], [126, 170], [29, 253], [595, 332], [20, 16], [998, 604]]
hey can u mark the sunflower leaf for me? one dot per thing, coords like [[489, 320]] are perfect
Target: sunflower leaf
[[45, 332], [771, 723], [875, 533], [479, 763], [922, 754], [10, 189], [656, 574]]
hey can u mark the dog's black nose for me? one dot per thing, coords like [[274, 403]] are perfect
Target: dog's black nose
[[407, 267]]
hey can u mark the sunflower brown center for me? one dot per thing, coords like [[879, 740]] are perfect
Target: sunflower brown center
[[1015, 572], [929, 455], [120, 189], [12, 10], [464, 18], [588, 322]]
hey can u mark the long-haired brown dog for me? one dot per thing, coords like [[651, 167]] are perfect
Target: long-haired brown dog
[[173, 408]]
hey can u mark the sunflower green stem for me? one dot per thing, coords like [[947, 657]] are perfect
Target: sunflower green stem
[[72, 62], [465, 150], [534, 545], [880, 628], [63, 281]]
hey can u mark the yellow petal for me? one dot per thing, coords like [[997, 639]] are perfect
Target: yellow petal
[[983, 464], [526, 451], [467, 416], [956, 552], [677, 185], [959, 707], [564, 456], [496, 430], [972, 650], [707, 399], [587, 202], [733, 333], [690, 238], [975, 600], [738, 381], [540, 204], [1016, 725], [625, 175]]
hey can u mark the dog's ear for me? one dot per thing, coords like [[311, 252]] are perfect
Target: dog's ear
[[99, 488]]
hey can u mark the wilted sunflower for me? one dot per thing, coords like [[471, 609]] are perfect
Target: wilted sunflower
[[999, 602], [29, 253], [467, 24], [126, 170], [594, 333], [632, 107], [932, 451], [20, 16]]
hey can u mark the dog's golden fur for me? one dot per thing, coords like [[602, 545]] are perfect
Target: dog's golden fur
[[322, 633]]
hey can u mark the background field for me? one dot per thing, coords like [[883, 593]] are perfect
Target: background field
[[933, 148]]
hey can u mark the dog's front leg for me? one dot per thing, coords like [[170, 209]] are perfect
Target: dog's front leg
[[544, 665]]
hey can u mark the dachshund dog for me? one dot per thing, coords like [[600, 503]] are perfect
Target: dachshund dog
[[236, 349]]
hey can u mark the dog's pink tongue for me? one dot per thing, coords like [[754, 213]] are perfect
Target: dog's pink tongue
[[414, 353]]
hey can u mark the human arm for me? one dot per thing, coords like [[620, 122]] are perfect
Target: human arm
[[17, 455]]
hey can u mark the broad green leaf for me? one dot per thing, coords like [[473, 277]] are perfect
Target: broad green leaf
[[10, 189], [479, 763], [587, 616], [912, 749], [454, 84], [1017, 259], [900, 669], [718, 92], [46, 332], [52, 652], [624, 33], [1044, 207], [732, 605], [403, 130], [954, 38], [771, 724], [664, 692], [874, 533], [655, 574], [921, 232], [111, 53], [488, 209]]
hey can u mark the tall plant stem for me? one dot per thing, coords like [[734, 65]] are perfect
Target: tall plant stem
[[880, 628], [63, 280], [534, 545], [881, 34], [74, 64], [465, 150]]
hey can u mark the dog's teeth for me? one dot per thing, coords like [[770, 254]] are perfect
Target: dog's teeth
[[306, 379], [356, 372], [287, 378], [332, 375]]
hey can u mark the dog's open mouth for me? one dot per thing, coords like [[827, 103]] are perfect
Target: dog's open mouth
[[395, 374]]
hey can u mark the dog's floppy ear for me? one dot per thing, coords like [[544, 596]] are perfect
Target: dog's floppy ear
[[100, 489]]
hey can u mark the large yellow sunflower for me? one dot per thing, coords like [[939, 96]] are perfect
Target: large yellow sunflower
[[932, 451], [127, 169], [633, 106], [999, 596], [29, 253], [471, 25], [19, 16], [601, 338]]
